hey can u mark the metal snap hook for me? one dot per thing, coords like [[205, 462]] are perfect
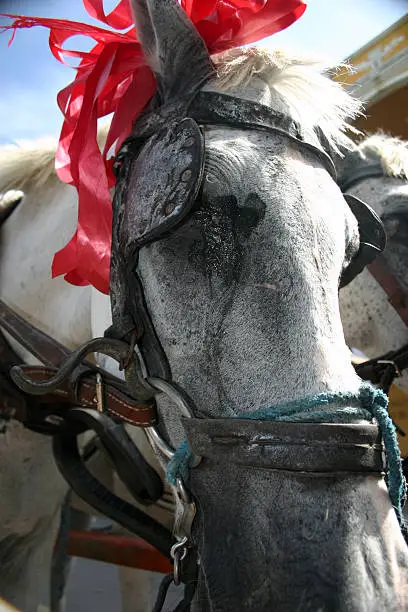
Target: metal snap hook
[[178, 553], [182, 492], [184, 519]]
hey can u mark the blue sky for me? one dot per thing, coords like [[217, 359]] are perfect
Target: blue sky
[[31, 77]]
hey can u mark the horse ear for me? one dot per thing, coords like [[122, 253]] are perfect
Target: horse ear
[[172, 46]]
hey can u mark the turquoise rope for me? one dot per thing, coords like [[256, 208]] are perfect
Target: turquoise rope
[[179, 464], [373, 404], [376, 402]]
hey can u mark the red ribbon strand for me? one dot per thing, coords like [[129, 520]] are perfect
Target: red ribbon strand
[[114, 78]]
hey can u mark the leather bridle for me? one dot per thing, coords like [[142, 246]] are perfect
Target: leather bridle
[[373, 169], [180, 122]]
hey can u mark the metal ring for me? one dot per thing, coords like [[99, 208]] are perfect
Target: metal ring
[[163, 386], [156, 440], [183, 402]]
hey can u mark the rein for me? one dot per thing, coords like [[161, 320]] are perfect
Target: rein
[[75, 396], [383, 370], [80, 382], [397, 296]]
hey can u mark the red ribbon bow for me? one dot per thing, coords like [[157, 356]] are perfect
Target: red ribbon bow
[[114, 78]]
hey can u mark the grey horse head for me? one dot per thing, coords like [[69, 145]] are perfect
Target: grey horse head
[[232, 287]]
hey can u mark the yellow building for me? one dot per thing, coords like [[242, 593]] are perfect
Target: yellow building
[[380, 79]]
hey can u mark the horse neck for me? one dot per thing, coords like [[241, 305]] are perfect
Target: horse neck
[[39, 227]]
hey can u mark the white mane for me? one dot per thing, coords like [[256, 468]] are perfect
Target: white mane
[[303, 83], [31, 164], [393, 153], [27, 164], [314, 100]]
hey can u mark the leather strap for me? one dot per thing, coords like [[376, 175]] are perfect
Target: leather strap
[[294, 446], [43, 347], [93, 492], [374, 369], [12, 400], [214, 108], [80, 391], [115, 402], [370, 169], [379, 268], [397, 296]]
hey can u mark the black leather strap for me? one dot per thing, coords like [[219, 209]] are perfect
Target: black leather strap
[[372, 169], [294, 446], [140, 479], [75, 472]]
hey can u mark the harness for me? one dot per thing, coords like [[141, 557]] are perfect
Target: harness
[[166, 197], [160, 170]]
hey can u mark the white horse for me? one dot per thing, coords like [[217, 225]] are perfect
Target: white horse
[[32, 489], [370, 322], [242, 291]]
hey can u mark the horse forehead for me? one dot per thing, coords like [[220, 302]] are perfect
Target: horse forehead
[[286, 178]]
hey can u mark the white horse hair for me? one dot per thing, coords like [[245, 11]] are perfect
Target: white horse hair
[[43, 223], [310, 97], [391, 150]]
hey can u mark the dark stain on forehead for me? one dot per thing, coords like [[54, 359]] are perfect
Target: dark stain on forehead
[[224, 228]]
